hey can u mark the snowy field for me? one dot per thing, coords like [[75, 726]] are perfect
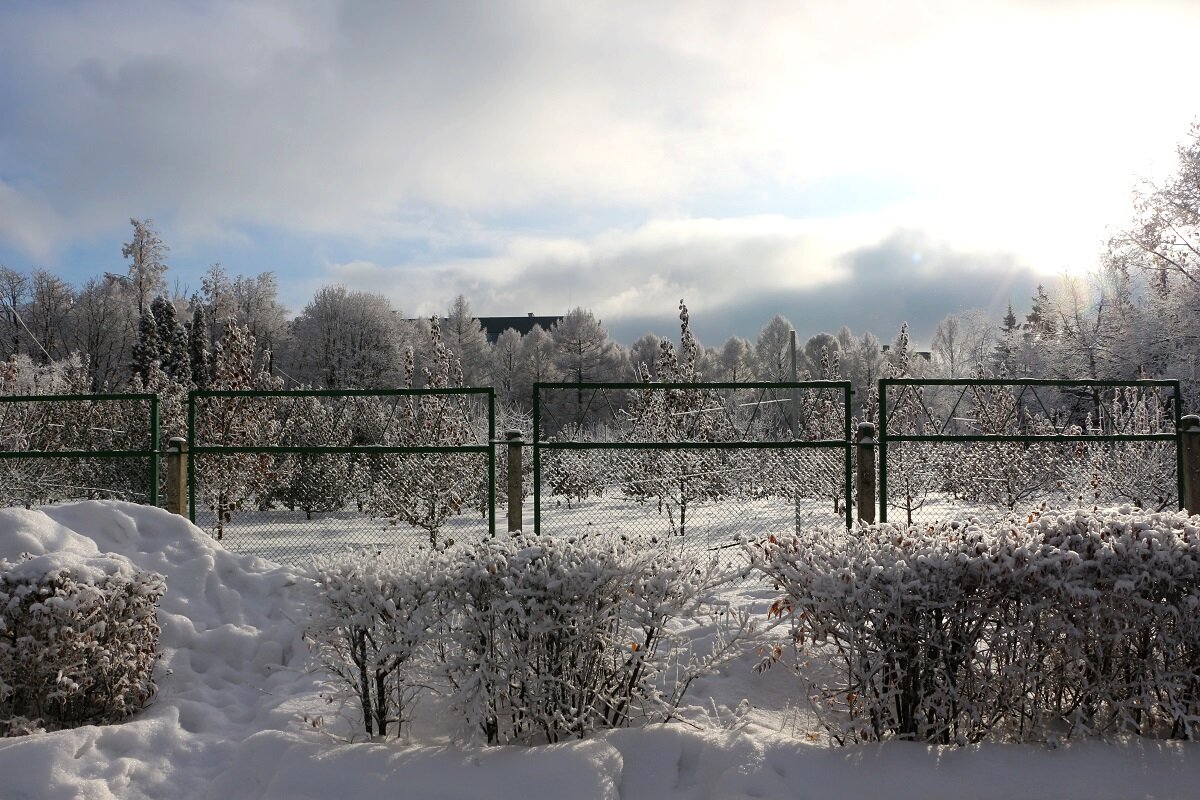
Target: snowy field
[[238, 694], [289, 537]]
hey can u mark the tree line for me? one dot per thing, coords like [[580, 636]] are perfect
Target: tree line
[[1132, 316]]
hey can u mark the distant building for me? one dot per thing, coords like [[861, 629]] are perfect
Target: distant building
[[494, 326], [925, 354]]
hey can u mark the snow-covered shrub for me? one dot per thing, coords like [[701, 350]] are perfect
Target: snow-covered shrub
[[371, 616], [1071, 623], [536, 639], [78, 641], [576, 475], [556, 638]]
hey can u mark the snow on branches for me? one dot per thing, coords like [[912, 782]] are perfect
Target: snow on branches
[[78, 641], [425, 489], [677, 479], [535, 639], [1074, 622]]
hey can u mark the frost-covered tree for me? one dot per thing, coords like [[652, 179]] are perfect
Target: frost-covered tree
[[172, 341], [105, 327], [251, 301], [198, 339], [147, 350], [583, 353], [318, 482], [346, 339], [228, 483], [913, 467], [772, 349], [678, 479], [147, 255], [49, 316], [506, 368], [645, 352], [465, 337], [426, 489], [537, 359], [734, 362], [14, 289]]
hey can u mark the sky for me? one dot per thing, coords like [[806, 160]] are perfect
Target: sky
[[862, 162]]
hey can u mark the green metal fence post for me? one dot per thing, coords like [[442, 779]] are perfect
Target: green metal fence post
[[154, 444], [491, 398], [191, 460], [537, 458], [883, 440]]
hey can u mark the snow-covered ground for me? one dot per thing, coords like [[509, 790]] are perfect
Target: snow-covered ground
[[238, 693]]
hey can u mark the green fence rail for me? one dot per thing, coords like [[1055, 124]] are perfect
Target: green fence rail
[[363, 467], [703, 462], [1007, 441], [70, 431]]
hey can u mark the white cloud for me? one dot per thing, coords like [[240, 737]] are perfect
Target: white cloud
[[622, 274], [1016, 125]]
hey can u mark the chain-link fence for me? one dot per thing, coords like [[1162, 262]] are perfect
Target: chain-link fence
[[290, 474], [77, 447], [692, 466], [994, 448]]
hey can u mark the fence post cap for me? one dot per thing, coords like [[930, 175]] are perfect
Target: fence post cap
[[177, 442], [866, 430], [511, 435], [1190, 423]]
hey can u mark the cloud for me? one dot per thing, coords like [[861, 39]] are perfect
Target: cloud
[[734, 273], [382, 120]]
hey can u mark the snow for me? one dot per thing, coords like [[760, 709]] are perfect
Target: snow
[[238, 693]]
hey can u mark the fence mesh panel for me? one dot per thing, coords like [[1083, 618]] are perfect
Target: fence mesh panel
[[289, 475], [73, 447], [691, 466], [996, 448]]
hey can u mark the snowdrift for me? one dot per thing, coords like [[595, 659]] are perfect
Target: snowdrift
[[236, 685]]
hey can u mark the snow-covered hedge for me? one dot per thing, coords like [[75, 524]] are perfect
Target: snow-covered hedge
[[1068, 623], [536, 639], [78, 641]]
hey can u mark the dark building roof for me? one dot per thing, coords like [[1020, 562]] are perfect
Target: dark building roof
[[494, 326]]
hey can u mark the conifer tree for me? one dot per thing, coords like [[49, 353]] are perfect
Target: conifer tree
[[172, 341], [198, 336], [147, 350]]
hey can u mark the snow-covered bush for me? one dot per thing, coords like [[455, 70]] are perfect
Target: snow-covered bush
[[78, 641], [536, 639], [373, 614], [556, 638], [1071, 623]]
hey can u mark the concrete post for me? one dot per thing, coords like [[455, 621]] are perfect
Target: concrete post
[[514, 479], [177, 476], [864, 477], [1189, 463]]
